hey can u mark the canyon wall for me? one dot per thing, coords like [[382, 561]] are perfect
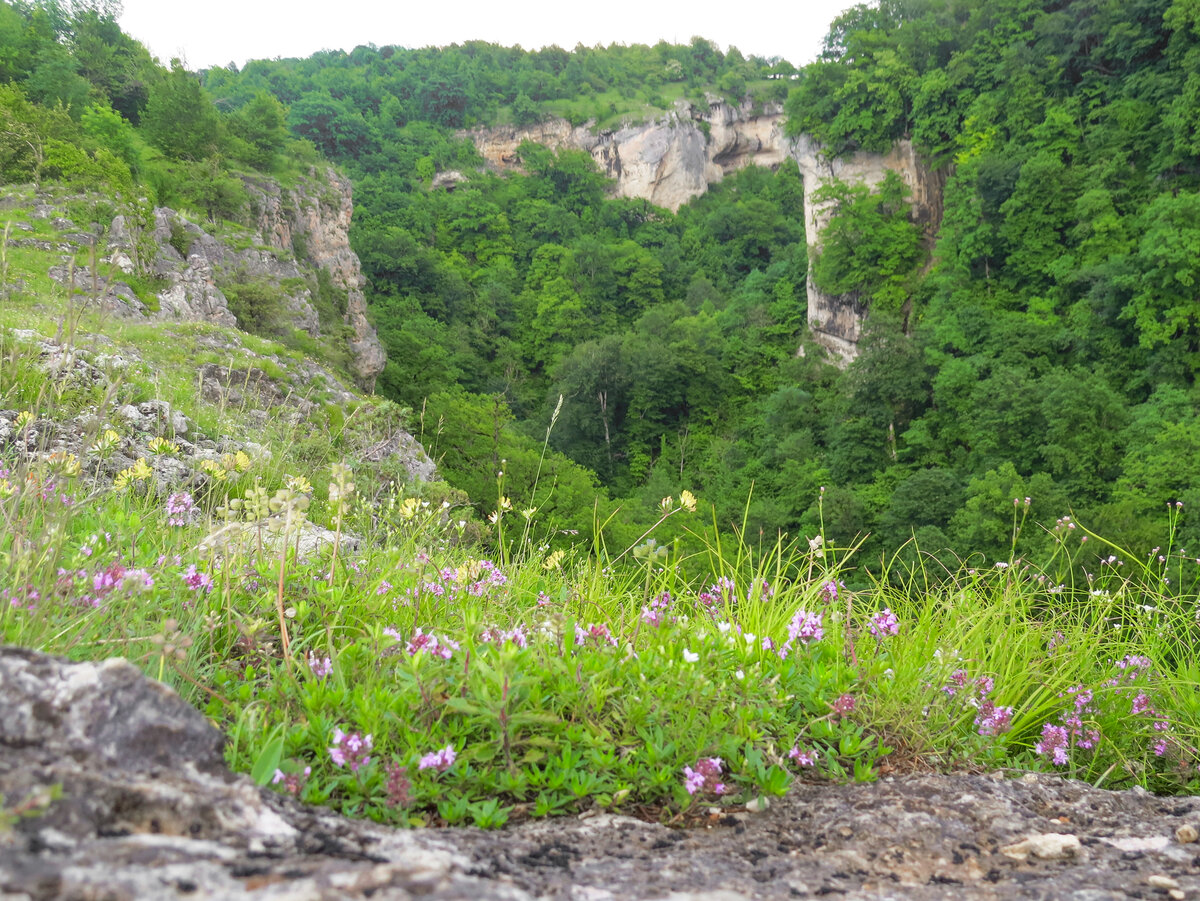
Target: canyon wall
[[676, 157]]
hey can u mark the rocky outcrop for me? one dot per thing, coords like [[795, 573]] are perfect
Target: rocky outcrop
[[675, 158], [112, 787], [668, 161], [312, 222], [836, 321]]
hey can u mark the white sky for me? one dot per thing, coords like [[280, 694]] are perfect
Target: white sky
[[216, 32]]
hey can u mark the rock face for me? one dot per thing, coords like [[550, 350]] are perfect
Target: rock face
[[297, 231], [677, 157], [312, 221], [836, 321], [145, 808], [668, 161]]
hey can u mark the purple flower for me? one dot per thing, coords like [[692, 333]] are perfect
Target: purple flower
[[803, 758], [993, 720], [1054, 743], [594, 635], [704, 777], [515, 636], [443, 648], [844, 705], [440, 760], [180, 508], [320, 666], [350, 749], [197, 581], [884, 623], [806, 627], [292, 782]]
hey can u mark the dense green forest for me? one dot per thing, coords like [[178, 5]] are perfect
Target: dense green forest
[[1042, 344]]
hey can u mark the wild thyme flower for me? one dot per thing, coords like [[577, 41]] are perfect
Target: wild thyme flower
[[320, 666], [429, 643], [656, 612], [844, 704], [350, 749], [197, 581], [399, 786], [291, 782], [515, 636], [180, 508], [440, 760], [884, 623], [992, 719], [705, 777], [805, 628], [803, 758], [594, 635], [1054, 744]]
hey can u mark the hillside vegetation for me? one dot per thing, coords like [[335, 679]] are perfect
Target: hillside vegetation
[[670, 565]]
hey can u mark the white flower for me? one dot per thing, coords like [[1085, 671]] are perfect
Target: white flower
[[739, 675], [723, 627], [689, 656]]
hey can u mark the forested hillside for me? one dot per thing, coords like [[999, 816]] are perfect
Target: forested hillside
[[1040, 342], [1042, 345]]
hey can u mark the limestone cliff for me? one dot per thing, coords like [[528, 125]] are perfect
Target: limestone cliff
[[312, 222], [676, 157], [296, 231], [836, 321], [668, 161]]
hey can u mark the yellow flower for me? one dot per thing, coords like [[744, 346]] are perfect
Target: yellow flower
[[408, 507], [505, 504], [687, 500], [141, 470], [214, 469], [163, 446], [6, 488], [104, 444], [24, 418], [241, 461], [665, 503], [554, 561], [121, 482], [299, 483], [63, 463]]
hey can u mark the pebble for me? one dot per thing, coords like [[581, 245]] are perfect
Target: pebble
[[1048, 846], [1186, 834], [759, 804]]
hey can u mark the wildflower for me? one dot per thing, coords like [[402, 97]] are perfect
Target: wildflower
[[1160, 747], [104, 444], [806, 627], [398, 786], [163, 446], [844, 705], [829, 591], [515, 636], [213, 469], [320, 666], [298, 484], [689, 657], [350, 749], [803, 758], [687, 501], [992, 719], [180, 507], [884, 623], [656, 612], [64, 464], [595, 635], [292, 782], [420, 641], [197, 581], [440, 760], [554, 560], [704, 777], [1054, 743]]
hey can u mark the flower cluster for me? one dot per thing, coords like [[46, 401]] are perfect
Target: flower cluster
[[291, 782], [514, 636], [428, 642], [883, 624], [722, 592], [350, 749], [803, 758], [806, 628], [705, 777], [180, 508], [440, 760], [657, 612], [320, 666], [196, 580], [595, 635]]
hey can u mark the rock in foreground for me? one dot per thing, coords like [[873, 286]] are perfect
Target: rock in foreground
[[148, 810]]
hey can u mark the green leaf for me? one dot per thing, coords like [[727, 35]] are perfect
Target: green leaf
[[269, 758]]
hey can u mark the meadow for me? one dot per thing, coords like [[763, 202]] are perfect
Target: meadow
[[427, 665]]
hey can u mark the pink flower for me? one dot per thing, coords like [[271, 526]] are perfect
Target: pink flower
[[704, 777], [440, 760], [884, 623], [844, 704], [320, 666], [805, 627], [803, 758], [350, 749], [1054, 743]]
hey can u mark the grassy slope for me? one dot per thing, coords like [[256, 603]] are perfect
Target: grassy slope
[[557, 681]]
